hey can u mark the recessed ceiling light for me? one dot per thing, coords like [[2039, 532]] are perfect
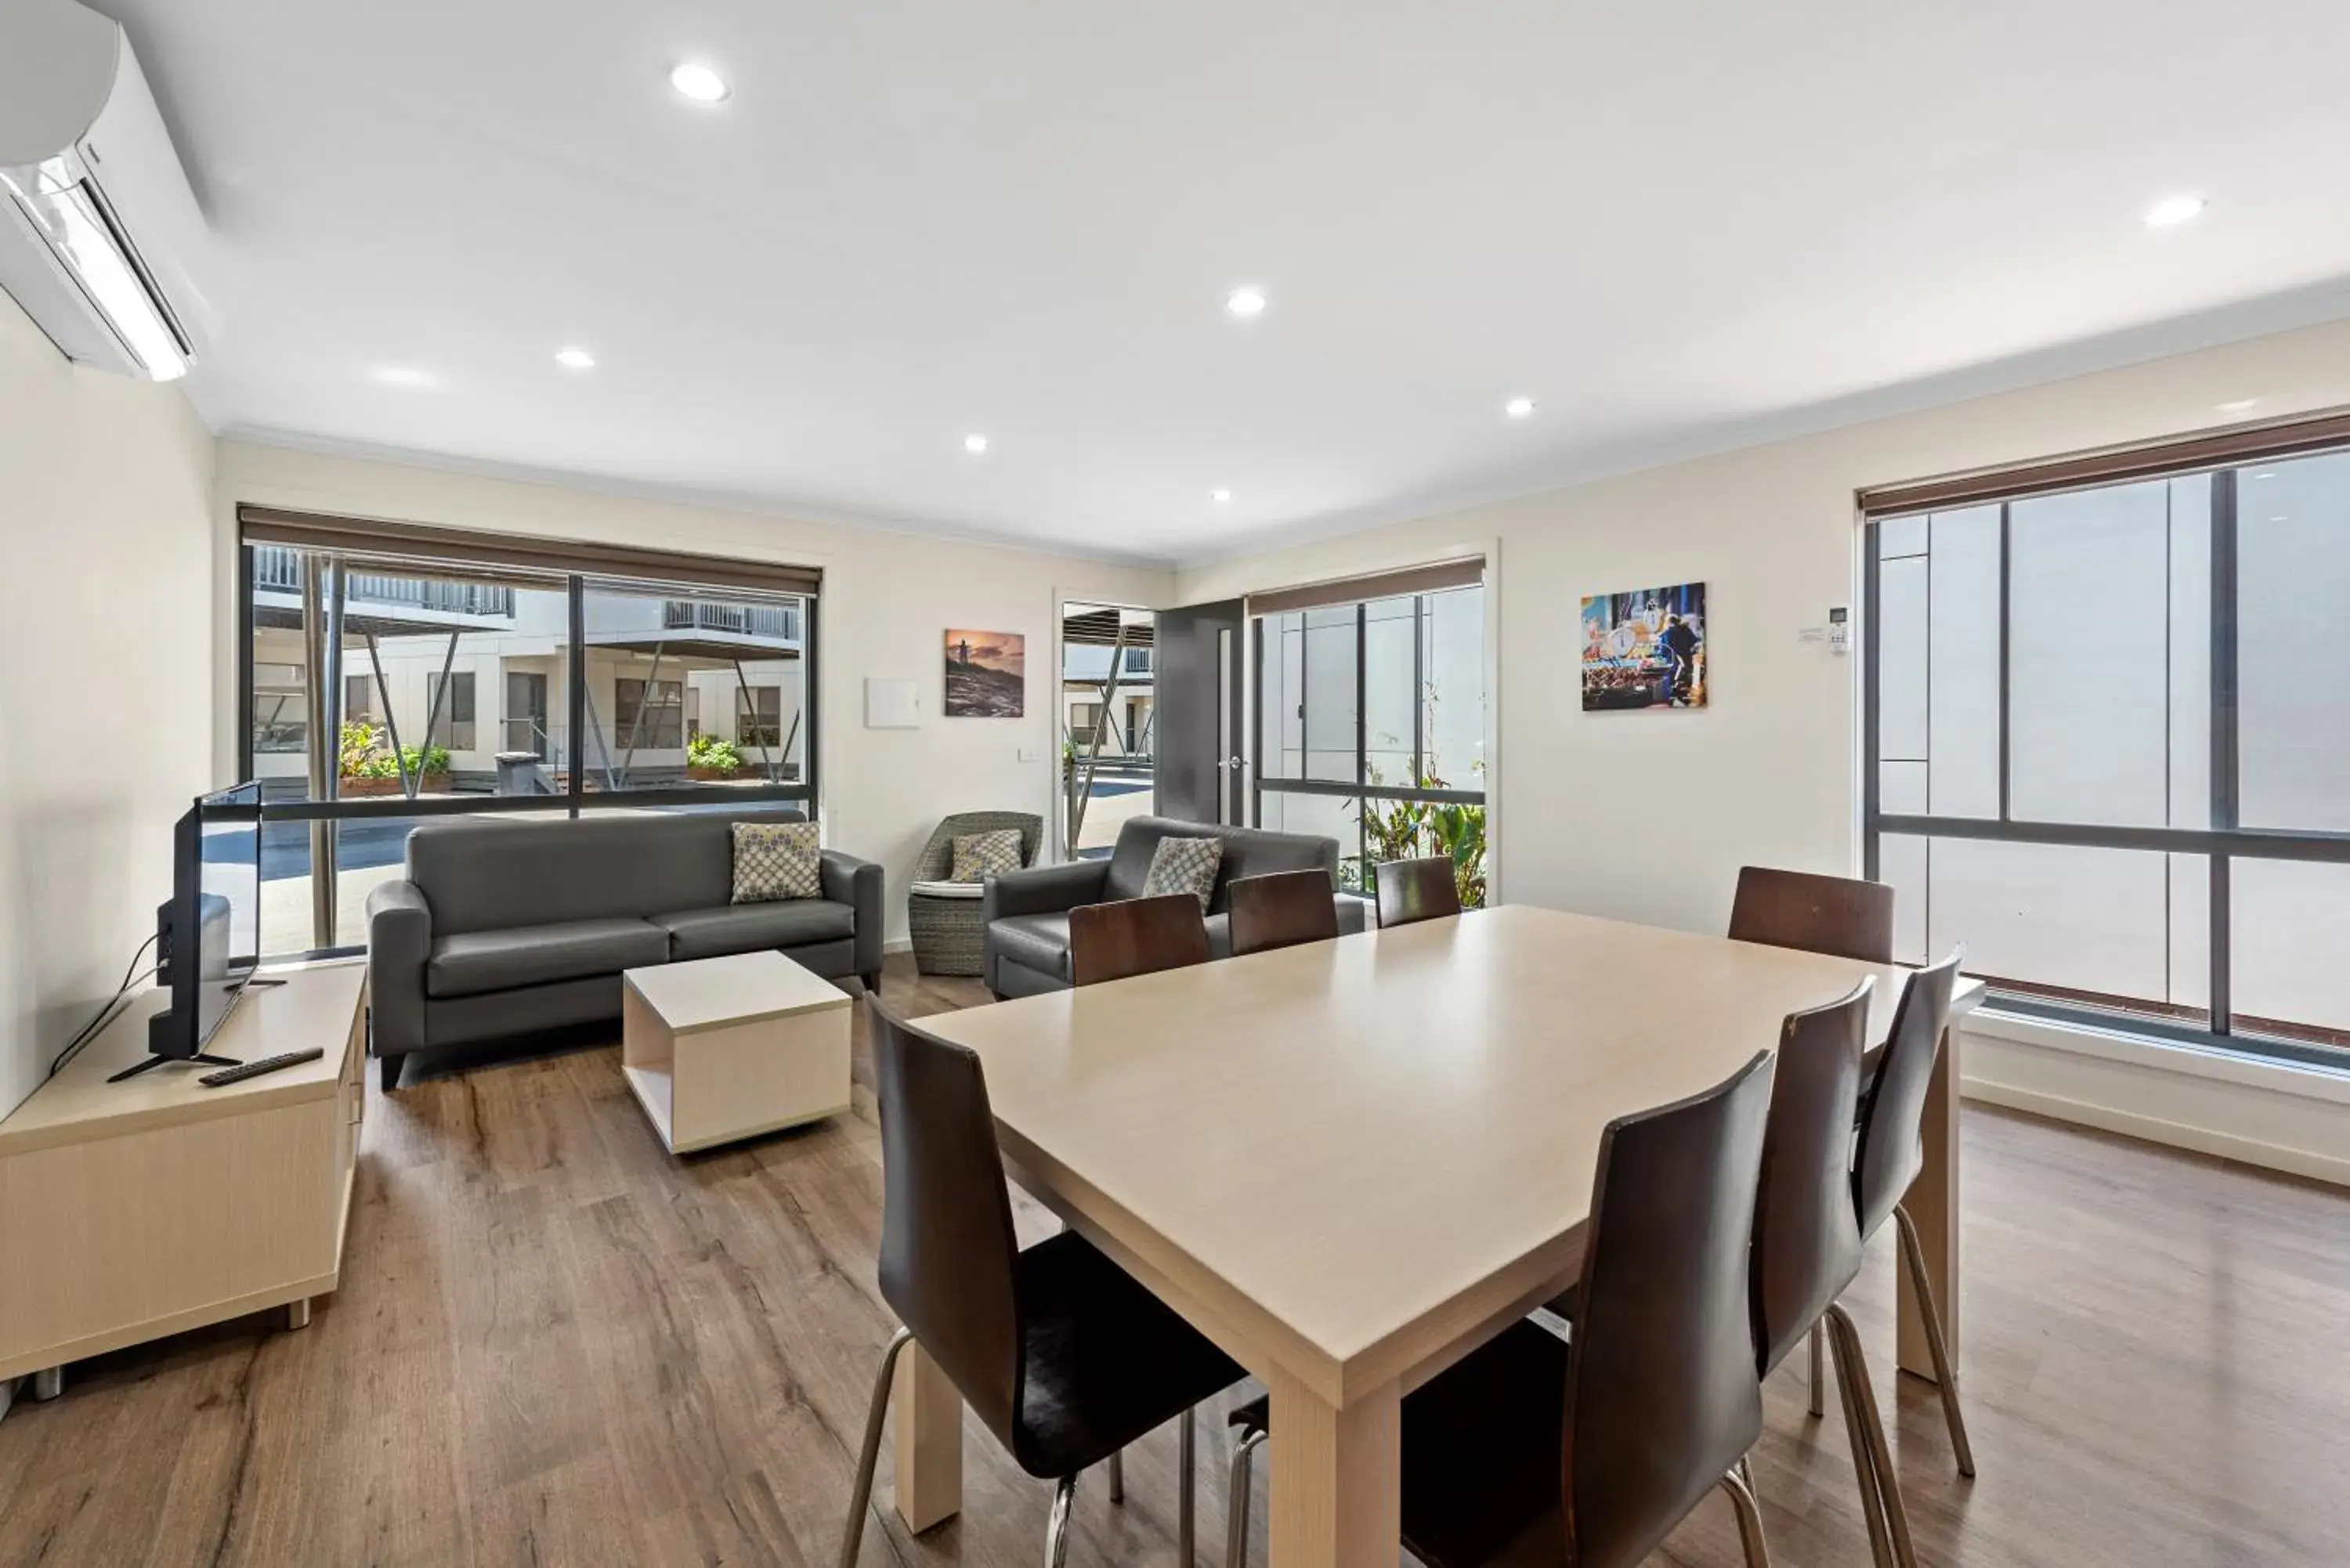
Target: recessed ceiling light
[[2239, 405], [974, 444], [574, 359], [2265, 474], [1245, 302], [2277, 519], [2173, 210], [402, 375], [1519, 408], [1220, 496], [700, 83]]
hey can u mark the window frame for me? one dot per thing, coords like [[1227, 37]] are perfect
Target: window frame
[[1359, 788], [2225, 840], [728, 579]]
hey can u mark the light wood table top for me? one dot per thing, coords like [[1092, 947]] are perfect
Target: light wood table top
[[1337, 1141]]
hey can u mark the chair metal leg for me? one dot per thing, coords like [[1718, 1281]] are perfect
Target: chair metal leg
[[1864, 1462], [1819, 1370], [1118, 1476], [1864, 1394], [1056, 1528], [1236, 1500], [853, 1533], [1750, 1519], [1185, 1435], [1946, 1381]]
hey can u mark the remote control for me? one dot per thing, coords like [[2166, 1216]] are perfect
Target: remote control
[[239, 1074]]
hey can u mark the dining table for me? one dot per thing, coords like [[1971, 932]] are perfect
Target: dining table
[[1350, 1163]]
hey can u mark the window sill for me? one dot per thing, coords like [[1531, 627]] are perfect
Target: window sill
[[2279, 1115]]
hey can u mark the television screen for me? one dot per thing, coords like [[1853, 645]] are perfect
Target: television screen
[[227, 939]]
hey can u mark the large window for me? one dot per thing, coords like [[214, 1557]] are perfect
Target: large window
[[1370, 728], [2109, 746], [381, 690]]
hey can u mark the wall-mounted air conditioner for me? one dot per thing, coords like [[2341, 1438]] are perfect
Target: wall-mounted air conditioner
[[100, 238]]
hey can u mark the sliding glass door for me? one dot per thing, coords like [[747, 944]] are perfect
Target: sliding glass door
[[2108, 747]]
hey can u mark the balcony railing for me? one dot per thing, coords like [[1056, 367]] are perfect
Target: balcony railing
[[778, 621], [278, 567]]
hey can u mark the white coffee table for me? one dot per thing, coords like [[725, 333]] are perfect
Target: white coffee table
[[727, 1048]]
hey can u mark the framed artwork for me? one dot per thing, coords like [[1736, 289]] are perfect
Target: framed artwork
[[987, 675], [1645, 650]]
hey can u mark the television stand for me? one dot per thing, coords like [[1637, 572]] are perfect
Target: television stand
[[198, 1060], [150, 1206]]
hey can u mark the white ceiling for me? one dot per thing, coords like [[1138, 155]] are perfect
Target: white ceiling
[[1675, 224]]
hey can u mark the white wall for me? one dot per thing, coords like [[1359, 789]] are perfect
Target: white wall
[[1647, 816], [105, 711], [888, 601]]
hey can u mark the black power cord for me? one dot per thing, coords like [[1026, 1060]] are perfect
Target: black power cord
[[105, 1014]]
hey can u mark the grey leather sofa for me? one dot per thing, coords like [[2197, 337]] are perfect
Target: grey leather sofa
[[504, 926], [1027, 912]]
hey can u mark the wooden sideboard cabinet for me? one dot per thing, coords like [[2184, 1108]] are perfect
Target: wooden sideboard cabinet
[[133, 1210]]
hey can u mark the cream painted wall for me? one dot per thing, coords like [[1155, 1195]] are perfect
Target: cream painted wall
[[888, 600], [105, 711], [1648, 815]]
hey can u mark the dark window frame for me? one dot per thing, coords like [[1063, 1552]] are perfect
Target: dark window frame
[[2223, 842], [725, 578], [1359, 788]]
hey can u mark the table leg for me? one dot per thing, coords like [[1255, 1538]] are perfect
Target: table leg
[[1933, 1203], [1336, 1478], [929, 1443]]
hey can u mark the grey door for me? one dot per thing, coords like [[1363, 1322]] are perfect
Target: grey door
[[1197, 693], [526, 713]]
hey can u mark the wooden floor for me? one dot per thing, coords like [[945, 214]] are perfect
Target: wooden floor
[[556, 1344]]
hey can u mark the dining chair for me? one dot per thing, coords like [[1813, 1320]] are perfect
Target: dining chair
[[1807, 1244], [1135, 936], [1586, 1453], [1060, 1354], [1892, 1151], [1412, 890], [1281, 909], [1840, 915]]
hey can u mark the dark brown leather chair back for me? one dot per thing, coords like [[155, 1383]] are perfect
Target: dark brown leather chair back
[[1835, 915], [1281, 909], [1806, 1238], [1893, 1112], [1661, 1395], [1135, 936], [948, 1249], [1412, 890]]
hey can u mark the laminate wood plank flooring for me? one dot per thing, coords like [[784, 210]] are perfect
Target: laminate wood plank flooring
[[556, 1344]]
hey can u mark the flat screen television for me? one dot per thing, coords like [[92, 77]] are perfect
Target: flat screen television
[[208, 935]]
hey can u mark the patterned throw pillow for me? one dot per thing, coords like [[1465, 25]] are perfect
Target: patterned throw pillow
[[1183, 865], [777, 860], [979, 856]]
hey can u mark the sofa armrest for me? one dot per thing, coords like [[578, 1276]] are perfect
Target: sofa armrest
[[1353, 914], [400, 940], [858, 884], [1045, 890]]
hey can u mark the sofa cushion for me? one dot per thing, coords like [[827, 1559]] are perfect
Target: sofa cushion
[[496, 873], [749, 927], [1040, 943], [1248, 852], [471, 962], [776, 860]]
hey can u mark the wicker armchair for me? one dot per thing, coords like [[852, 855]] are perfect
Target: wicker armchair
[[949, 930]]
